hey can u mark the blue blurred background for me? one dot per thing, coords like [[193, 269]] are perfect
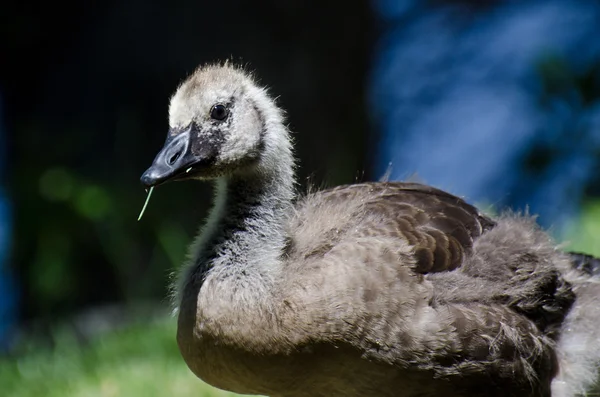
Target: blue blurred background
[[495, 101], [8, 289], [498, 103]]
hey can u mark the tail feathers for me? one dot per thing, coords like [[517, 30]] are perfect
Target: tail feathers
[[578, 347], [586, 263]]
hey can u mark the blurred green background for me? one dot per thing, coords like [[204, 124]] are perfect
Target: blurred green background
[[85, 94]]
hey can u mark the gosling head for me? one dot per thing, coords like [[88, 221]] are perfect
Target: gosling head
[[217, 123]]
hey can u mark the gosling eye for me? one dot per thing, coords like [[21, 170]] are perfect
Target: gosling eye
[[219, 112]]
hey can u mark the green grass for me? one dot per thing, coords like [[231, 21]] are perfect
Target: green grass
[[584, 233], [140, 360]]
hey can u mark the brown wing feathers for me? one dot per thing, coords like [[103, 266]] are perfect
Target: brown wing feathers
[[440, 226]]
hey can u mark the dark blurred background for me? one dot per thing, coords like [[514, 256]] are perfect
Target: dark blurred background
[[496, 101]]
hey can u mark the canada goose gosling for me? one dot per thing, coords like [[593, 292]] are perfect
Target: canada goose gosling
[[386, 289]]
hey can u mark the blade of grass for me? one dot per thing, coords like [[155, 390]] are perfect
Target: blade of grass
[[146, 203]]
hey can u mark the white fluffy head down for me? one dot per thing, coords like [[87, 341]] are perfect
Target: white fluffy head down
[[243, 137]]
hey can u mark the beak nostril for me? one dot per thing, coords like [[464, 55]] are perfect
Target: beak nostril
[[174, 158]]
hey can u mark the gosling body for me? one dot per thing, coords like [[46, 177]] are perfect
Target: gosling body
[[371, 289]]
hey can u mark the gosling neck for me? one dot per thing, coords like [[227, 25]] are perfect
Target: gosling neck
[[245, 235], [253, 211]]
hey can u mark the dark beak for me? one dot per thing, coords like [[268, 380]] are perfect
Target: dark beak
[[173, 161]]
